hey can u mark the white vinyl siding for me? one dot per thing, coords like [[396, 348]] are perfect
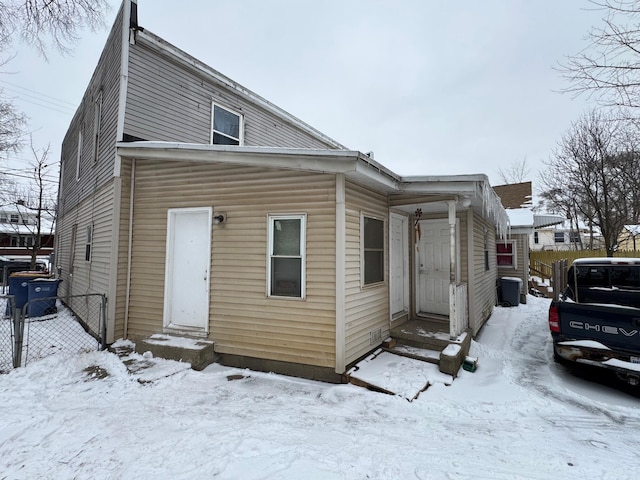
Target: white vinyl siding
[[176, 106]]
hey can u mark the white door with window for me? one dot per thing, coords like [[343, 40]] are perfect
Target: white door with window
[[399, 268], [187, 273], [433, 258]]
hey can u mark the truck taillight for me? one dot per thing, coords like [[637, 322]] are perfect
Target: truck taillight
[[554, 319]]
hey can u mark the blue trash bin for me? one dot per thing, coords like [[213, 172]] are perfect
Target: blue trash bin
[[42, 293], [18, 287]]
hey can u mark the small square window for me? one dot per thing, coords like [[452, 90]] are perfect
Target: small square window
[[506, 254], [574, 237], [559, 237], [226, 126]]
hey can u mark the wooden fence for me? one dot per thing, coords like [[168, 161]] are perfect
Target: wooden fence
[[541, 264]]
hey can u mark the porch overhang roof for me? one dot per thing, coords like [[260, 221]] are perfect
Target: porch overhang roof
[[353, 164], [470, 190]]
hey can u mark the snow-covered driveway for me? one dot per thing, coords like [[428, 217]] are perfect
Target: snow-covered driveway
[[518, 416]]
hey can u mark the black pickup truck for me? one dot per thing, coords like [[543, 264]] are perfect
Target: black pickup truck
[[596, 321]]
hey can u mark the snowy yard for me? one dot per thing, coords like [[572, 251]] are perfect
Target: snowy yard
[[519, 416]]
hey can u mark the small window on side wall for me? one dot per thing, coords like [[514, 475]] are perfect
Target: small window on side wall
[[226, 126], [506, 254], [372, 250], [87, 249], [286, 268]]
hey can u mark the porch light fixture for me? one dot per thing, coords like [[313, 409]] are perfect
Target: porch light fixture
[[220, 218]]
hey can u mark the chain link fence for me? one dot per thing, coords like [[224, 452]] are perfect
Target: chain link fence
[[50, 325]]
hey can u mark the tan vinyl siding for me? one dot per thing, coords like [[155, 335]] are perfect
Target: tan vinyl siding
[[243, 321], [484, 285], [93, 276], [367, 307], [168, 102], [93, 175], [119, 303]]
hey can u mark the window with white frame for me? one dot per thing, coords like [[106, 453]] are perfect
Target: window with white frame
[[574, 237], [226, 126], [97, 117], [79, 155], [15, 218], [89, 243], [506, 253], [536, 238], [559, 237], [372, 250], [72, 247], [286, 268]]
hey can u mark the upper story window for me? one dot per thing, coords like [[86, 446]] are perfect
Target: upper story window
[[226, 126], [574, 237], [97, 117], [558, 237], [372, 250], [506, 253], [15, 218], [79, 155]]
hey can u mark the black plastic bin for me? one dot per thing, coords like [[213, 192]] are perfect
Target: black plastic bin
[[509, 291], [42, 293]]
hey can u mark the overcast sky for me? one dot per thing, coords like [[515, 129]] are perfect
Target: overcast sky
[[431, 87]]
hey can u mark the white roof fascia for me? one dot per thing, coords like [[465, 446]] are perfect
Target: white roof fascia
[[351, 163], [153, 41]]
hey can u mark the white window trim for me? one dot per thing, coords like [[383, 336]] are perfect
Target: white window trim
[[97, 120], [79, 156], [303, 252], [514, 253], [89, 243], [240, 124], [384, 250]]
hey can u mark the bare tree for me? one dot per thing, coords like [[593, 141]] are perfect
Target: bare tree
[[40, 22], [609, 67], [517, 172], [12, 125], [34, 204], [587, 178]]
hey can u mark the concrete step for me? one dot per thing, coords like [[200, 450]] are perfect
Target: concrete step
[[421, 341], [198, 352]]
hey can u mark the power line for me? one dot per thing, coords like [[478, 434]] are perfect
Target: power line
[[39, 94]]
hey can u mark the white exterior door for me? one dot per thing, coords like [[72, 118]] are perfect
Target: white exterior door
[[399, 268], [188, 261], [433, 257]]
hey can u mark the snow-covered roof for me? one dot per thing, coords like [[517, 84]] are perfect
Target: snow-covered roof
[[633, 229]]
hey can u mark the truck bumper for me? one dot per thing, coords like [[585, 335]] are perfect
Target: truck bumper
[[624, 365]]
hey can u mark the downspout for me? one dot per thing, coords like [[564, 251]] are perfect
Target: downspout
[[129, 249], [452, 268], [471, 270], [341, 258], [116, 211]]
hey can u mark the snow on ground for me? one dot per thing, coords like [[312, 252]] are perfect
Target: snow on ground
[[518, 416]]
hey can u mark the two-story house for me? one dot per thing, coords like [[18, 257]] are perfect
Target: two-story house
[[200, 208]]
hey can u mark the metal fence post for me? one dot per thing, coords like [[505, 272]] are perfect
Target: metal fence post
[[103, 319], [18, 328]]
